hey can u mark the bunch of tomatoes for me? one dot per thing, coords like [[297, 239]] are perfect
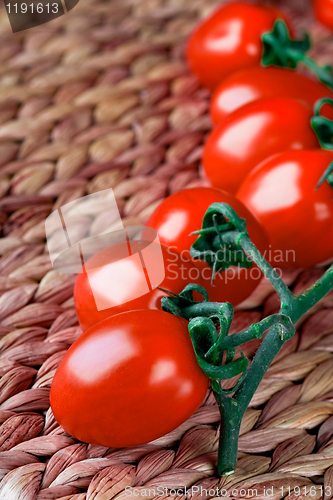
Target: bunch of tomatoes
[[133, 375]]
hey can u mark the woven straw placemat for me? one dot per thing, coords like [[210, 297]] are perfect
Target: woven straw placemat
[[101, 98]]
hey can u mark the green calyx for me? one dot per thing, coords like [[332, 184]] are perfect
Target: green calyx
[[185, 306], [279, 49], [217, 243], [323, 128], [209, 325]]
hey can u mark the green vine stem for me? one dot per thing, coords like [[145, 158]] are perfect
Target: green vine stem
[[209, 325], [327, 176], [323, 128], [279, 49]]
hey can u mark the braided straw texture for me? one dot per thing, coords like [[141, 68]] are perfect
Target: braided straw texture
[[101, 98]]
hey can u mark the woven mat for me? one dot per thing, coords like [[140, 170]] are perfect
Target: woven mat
[[101, 98]]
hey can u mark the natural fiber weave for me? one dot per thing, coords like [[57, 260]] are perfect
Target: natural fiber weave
[[101, 98]]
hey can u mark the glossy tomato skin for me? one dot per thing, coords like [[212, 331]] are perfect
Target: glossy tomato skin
[[253, 133], [128, 380], [282, 193], [229, 40], [182, 213], [324, 12], [255, 83], [178, 273]]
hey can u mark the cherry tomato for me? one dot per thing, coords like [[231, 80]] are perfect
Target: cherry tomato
[[131, 283], [128, 380], [229, 40], [282, 193], [324, 12], [253, 133], [182, 213], [256, 83]]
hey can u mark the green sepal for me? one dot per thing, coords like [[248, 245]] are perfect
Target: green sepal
[[277, 47], [230, 355], [175, 304], [322, 126], [327, 176], [203, 336], [219, 236], [223, 372]]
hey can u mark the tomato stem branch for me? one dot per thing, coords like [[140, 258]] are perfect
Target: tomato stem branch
[[284, 292], [214, 347], [204, 309], [311, 296], [222, 224], [257, 330], [269, 348]]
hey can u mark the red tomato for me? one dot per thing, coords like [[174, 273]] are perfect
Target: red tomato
[[324, 12], [182, 213], [256, 83], [253, 133], [128, 380], [282, 193], [229, 40], [178, 273]]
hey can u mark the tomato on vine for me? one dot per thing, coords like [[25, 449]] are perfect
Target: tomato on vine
[[179, 271], [255, 83], [282, 193], [324, 12], [253, 133], [229, 40], [182, 213], [128, 380]]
